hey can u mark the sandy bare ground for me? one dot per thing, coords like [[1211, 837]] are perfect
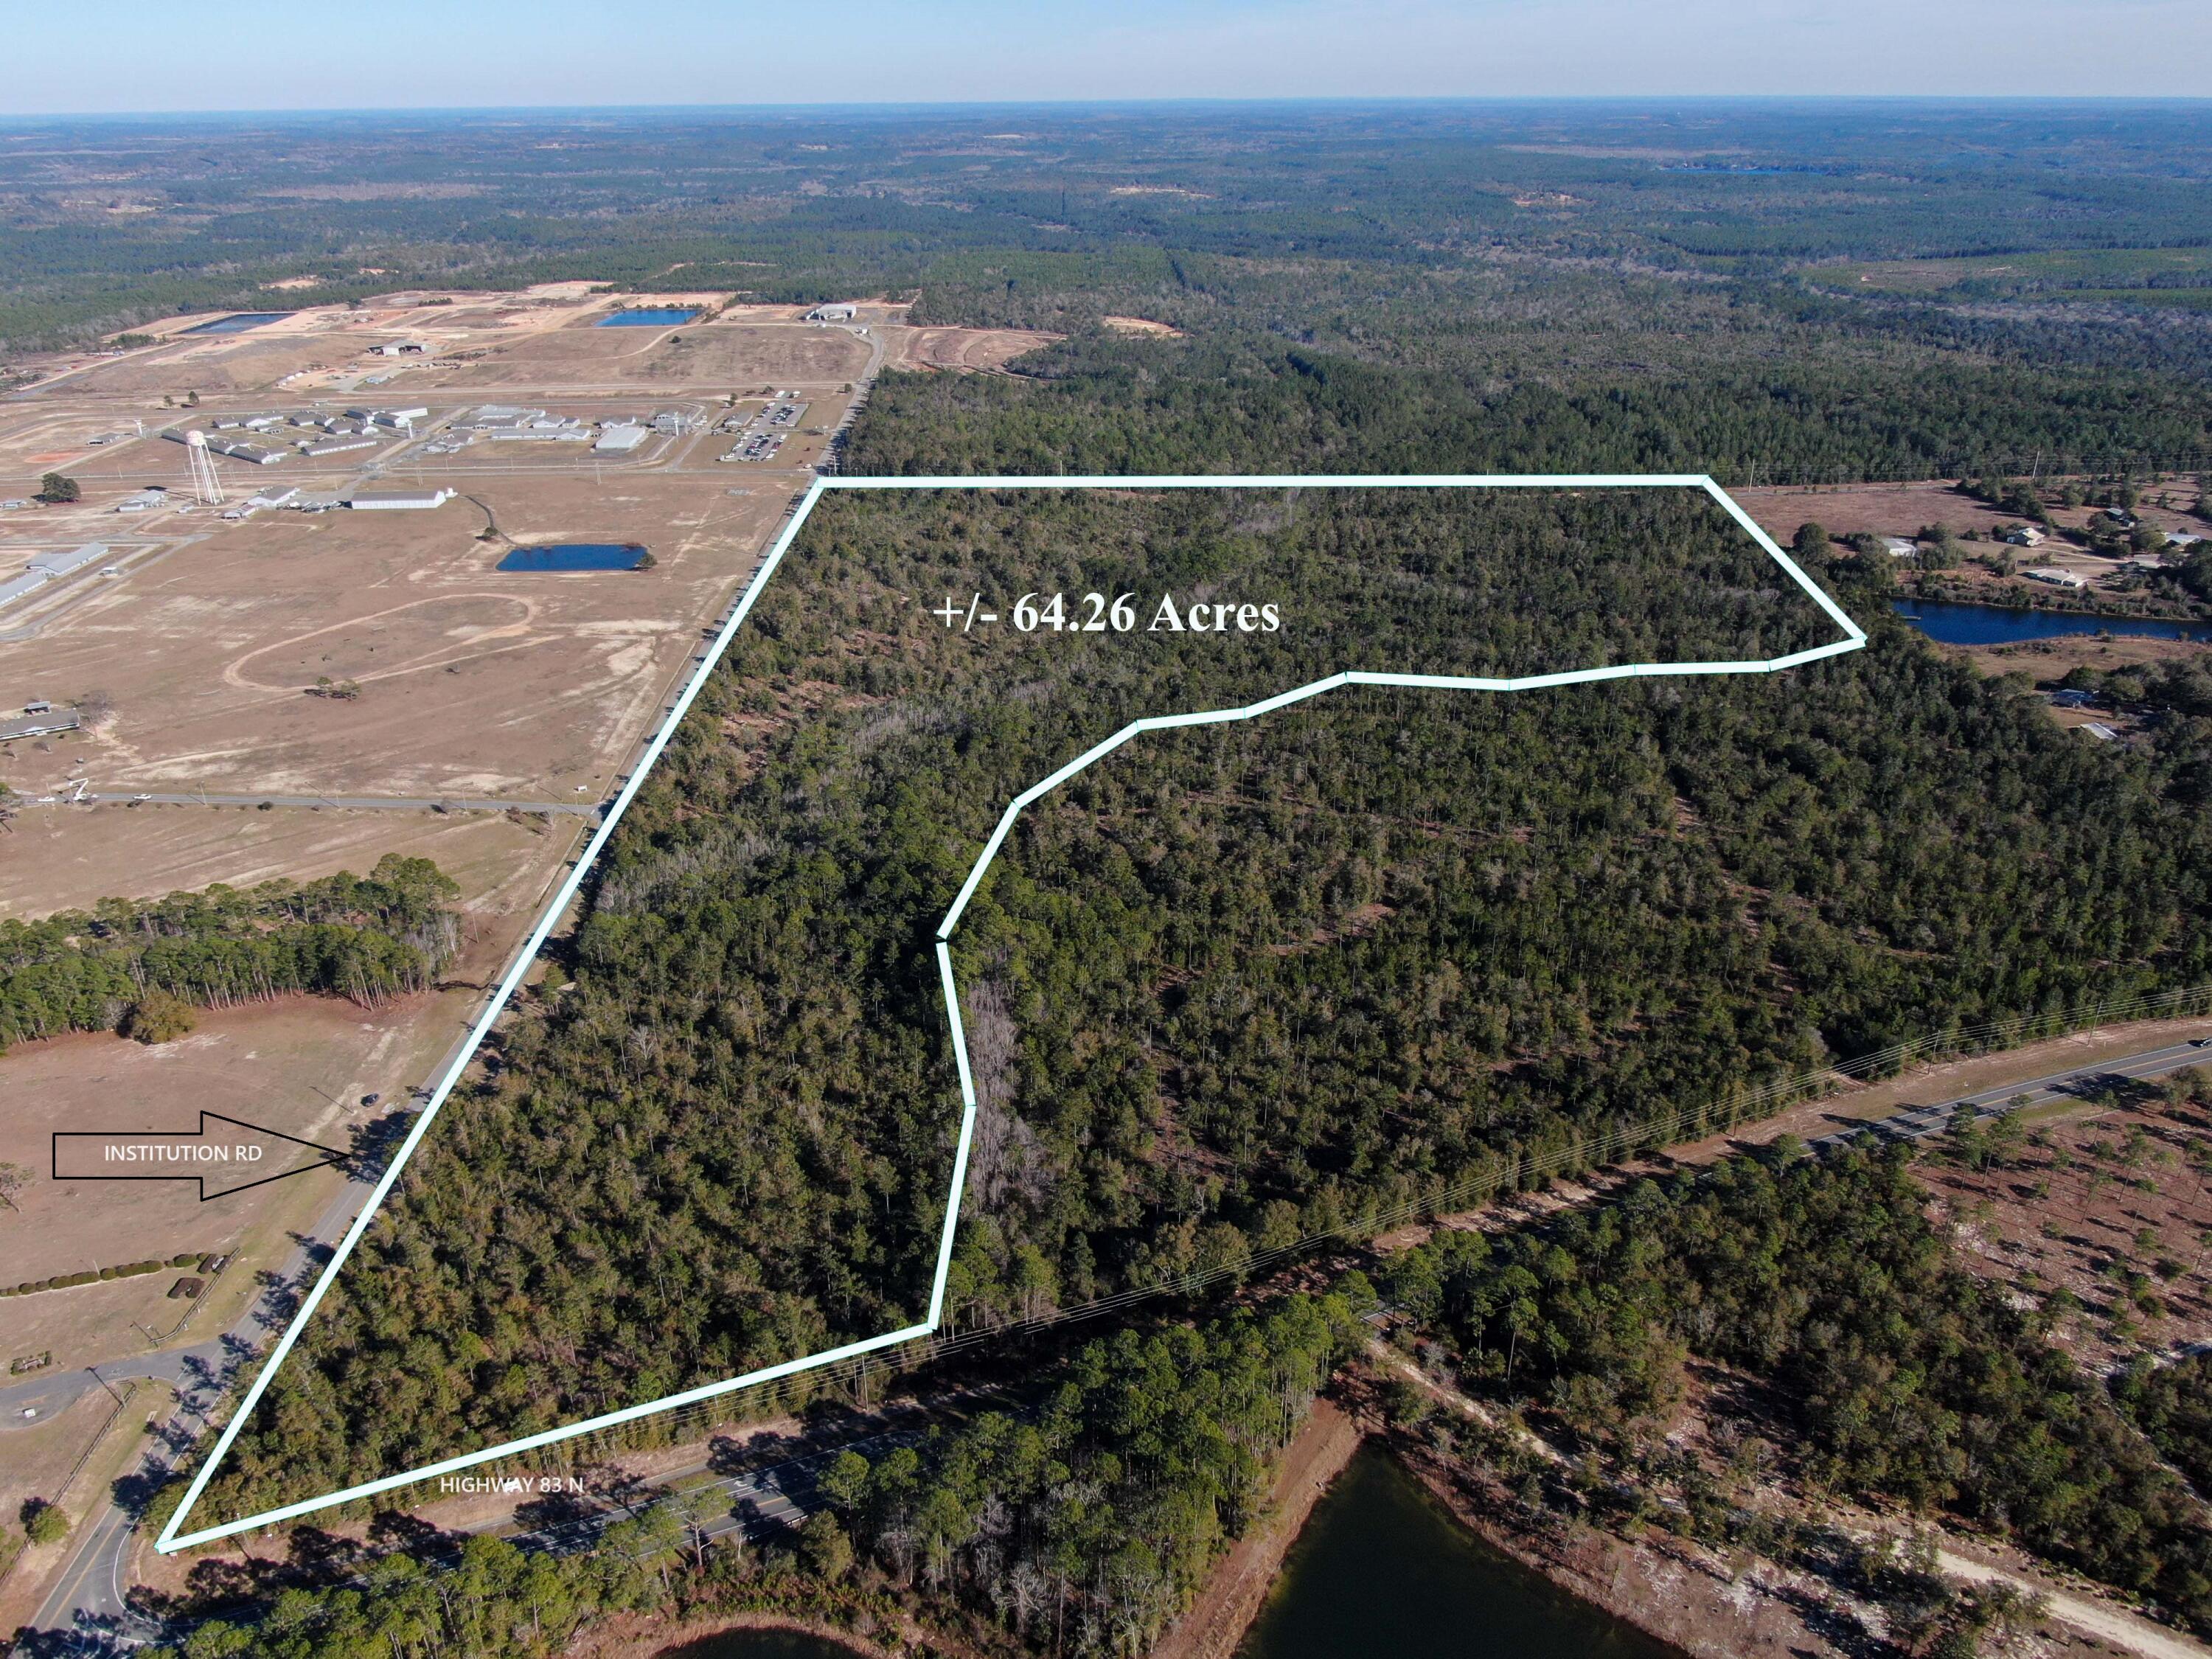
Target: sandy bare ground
[[1142, 325], [1238, 1586], [967, 350]]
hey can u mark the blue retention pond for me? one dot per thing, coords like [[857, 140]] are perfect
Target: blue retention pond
[[1989, 625], [237, 323], [576, 555], [648, 317]]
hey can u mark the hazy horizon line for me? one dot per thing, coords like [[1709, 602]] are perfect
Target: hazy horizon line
[[1279, 101]]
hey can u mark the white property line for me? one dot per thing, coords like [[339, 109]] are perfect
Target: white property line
[[172, 1540]]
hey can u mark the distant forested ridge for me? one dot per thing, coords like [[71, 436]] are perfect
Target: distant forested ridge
[[1108, 406], [344, 935], [1759, 292], [1229, 987]]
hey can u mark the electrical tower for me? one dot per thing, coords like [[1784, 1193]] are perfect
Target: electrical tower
[[206, 487]]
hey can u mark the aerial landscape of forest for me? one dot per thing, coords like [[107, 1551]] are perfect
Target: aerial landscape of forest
[[1523, 1085]]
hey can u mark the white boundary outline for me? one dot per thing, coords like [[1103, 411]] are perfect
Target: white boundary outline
[[1855, 637]]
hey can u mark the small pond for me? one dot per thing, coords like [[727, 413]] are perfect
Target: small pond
[[576, 555], [648, 317], [237, 323], [1382, 1568], [1989, 625]]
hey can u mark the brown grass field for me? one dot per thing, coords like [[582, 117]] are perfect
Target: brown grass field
[[473, 682], [733, 356], [299, 1066], [1902, 509], [223, 363], [58, 860]]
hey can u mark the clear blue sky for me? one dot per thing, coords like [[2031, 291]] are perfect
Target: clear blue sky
[[130, 55]]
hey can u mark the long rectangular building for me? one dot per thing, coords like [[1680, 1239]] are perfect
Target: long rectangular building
[[389, 500], [60, 564], [16, 587], [36, 726]]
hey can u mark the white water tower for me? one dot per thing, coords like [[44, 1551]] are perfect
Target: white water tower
[[206, 487]]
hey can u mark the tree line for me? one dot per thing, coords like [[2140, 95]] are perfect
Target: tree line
[[123, 964], [1079, 1524]]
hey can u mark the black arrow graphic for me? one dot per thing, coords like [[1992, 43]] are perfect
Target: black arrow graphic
[[148, 1137]]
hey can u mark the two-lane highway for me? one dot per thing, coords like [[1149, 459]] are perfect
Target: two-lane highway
[[1919, 1122]]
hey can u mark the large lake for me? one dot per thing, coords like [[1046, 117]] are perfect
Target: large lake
[[1989, 625], [1381, 1568]]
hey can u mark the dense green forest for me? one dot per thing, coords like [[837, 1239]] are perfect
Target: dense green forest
[[1081, 1525], [344, 935], [1229, 987], [1909, 1377], [2173, 1405]]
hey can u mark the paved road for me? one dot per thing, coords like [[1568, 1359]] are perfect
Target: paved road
[[589, 809], [89, 1599], [1921, 1121]]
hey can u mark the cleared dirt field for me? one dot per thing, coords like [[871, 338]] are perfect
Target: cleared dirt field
[[738, 356], [964, 348], [1879, 509], [221, 363], [473, 681], [1142, 325], [55, 860]]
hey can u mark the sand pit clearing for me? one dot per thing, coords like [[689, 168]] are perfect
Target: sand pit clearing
[[1142, 325], [969, 350]]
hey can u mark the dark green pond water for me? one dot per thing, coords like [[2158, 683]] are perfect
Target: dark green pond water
[[1381, 1568], [763, 1644]]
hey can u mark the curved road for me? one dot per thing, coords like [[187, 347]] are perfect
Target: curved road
[[89, 1599]]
